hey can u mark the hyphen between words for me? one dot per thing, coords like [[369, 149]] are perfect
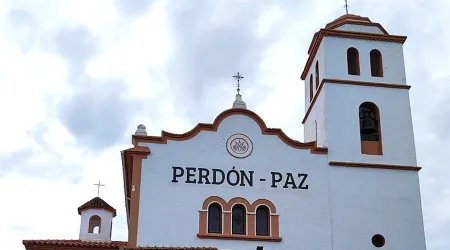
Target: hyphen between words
[[235, 177]]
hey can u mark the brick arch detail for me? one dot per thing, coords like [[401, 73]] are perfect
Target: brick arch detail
[[92, 220], [214, 199], [264, 202], [250, 217], [239, 200]]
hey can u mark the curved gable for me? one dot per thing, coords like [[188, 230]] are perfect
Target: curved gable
[[166, 136]]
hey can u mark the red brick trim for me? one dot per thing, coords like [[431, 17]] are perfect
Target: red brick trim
[[350, 82], [274, 230], [374, 165], [93, 245], [166, 136], [133, 158], [345, 34]]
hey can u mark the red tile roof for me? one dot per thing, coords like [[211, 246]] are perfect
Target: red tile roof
[[348, 17], [31, 244], [97, 202], [75, 243]]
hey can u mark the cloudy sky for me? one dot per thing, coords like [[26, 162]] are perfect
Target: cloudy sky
[[77, 77]]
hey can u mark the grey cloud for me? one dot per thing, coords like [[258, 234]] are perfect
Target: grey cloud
[[77, 45], [430, 114], [22, 161], [15, 159], [206, 54], [25, 28], [98, 114], [133, 8]]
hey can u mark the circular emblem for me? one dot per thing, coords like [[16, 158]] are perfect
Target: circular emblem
[[239, 145]]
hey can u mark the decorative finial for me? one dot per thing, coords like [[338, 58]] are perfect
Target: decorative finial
[[98, 187], [238, 78], [346, 7], [238, 103], [141, 130]]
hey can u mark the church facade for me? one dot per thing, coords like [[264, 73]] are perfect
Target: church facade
[[237, 184]]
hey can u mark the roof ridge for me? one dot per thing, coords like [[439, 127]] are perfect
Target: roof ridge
[[109, 244], [97, 202]]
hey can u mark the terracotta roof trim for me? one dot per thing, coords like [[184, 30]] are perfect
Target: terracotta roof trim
[[165, 136], [97, 203], [345, 34], [354, 22], [348, 17], [98, 244]]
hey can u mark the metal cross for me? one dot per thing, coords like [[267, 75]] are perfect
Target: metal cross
[[98, 188], [346, 7], [238, 78]]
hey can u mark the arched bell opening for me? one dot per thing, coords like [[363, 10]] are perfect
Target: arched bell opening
[[370, 129], [95, 223]]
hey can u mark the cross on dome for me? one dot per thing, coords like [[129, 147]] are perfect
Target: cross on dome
[[98, 187], [239, 103]]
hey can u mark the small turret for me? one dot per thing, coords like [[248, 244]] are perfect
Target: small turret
[[96, 220]]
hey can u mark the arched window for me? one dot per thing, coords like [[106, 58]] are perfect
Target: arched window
[[370, 131], [376, 63], [262, 221], [95, 224], [238, 219], [214, 218], [311, 89], [353, 61], [317, 74]]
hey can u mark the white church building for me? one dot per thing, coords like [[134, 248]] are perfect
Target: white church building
[[235, 184]]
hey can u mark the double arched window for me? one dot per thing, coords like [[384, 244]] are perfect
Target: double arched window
[[317, 75], [311, 88], [353, 61], [376, 62], [239, 219]]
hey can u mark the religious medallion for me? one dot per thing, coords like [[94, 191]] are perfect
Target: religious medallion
[[239, 145]]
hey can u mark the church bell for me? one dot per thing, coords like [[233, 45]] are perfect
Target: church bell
[[368, 123]]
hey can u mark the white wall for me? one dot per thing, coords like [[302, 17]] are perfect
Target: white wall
[[317, 114], [366, 202], [336, 60], [336, 109], [105, 231], [342, 112], [320, 55], [318, 111], [169, 216], [360, 28], [309, 219]]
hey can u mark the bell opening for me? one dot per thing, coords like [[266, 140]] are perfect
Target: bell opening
[[369, 128], [368, 124]]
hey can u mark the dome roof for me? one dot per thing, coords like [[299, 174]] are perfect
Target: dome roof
[[354, 19], [348, 17], [97, 203]]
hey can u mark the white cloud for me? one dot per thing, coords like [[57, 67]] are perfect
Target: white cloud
[[47, 185]]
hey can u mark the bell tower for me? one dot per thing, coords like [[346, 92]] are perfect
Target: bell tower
[[96, 220], [357, 98]]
